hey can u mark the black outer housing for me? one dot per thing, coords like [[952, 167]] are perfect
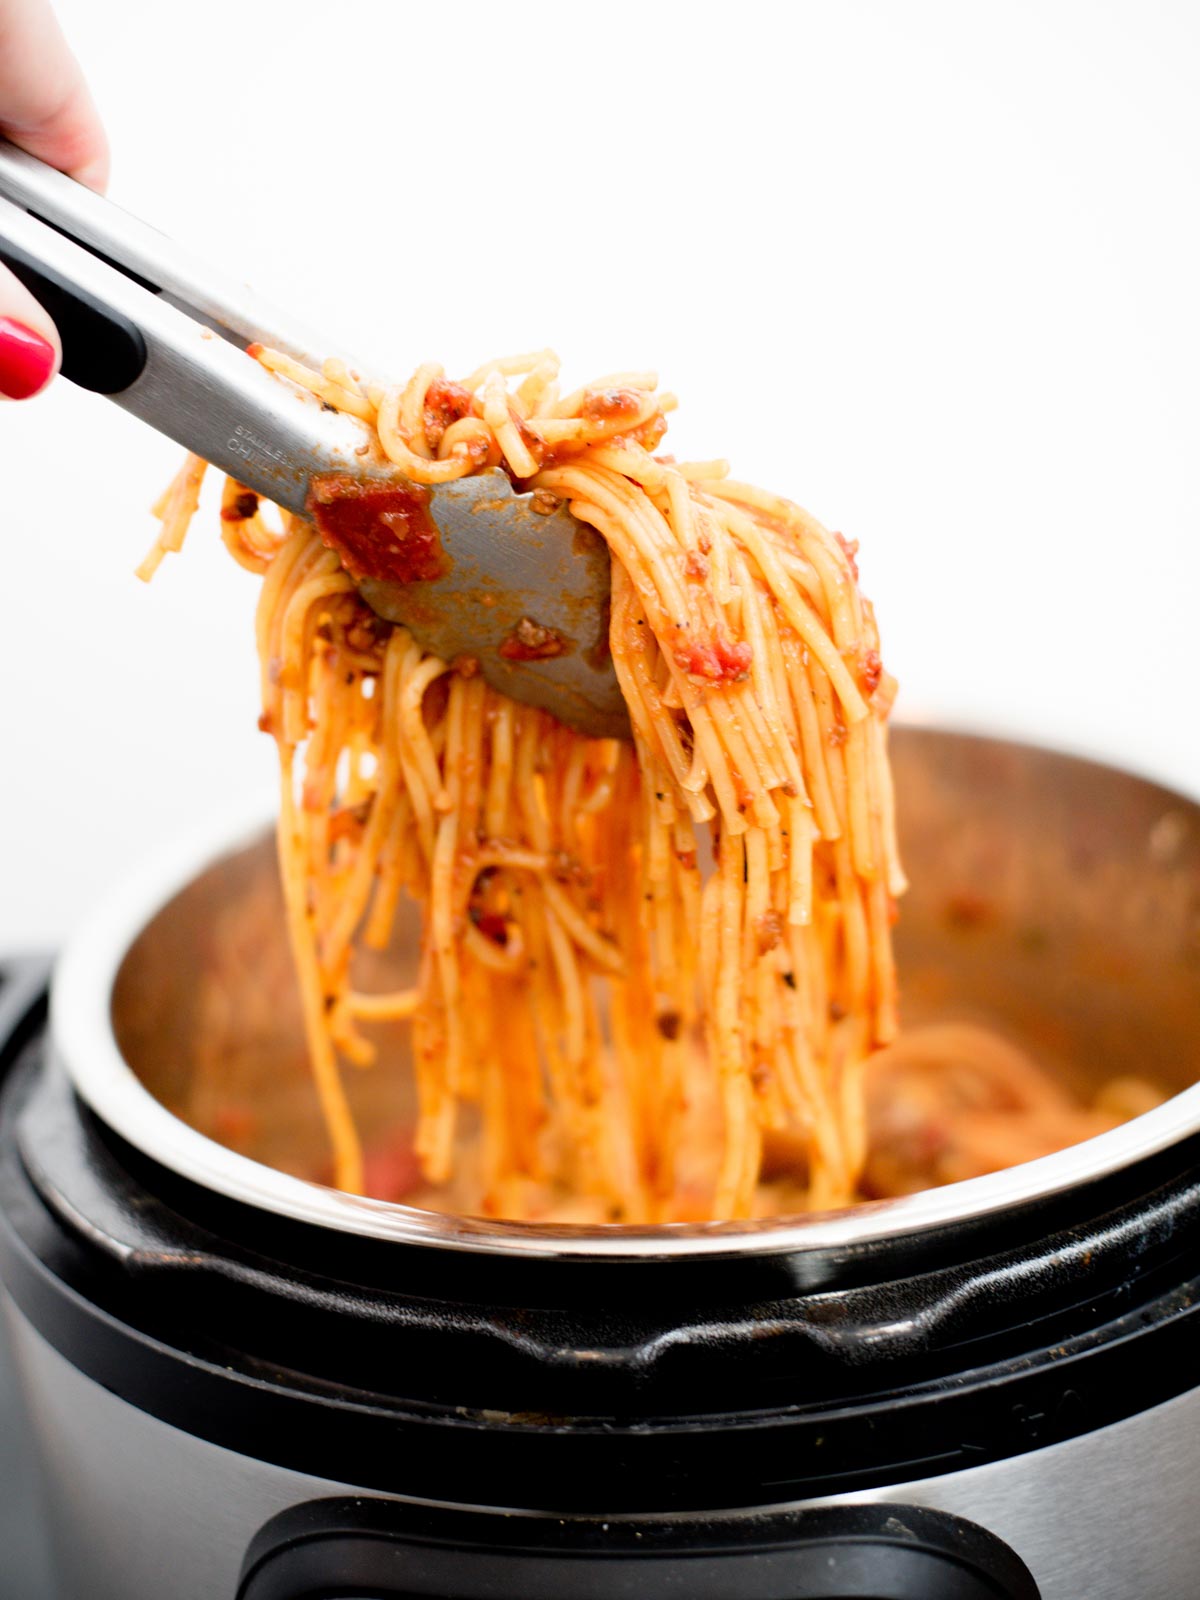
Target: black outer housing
[[684, 1387]]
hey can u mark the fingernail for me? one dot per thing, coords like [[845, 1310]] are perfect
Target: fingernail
[[26, 360]]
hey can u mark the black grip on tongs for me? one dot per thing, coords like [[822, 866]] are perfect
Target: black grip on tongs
[[101, 350]]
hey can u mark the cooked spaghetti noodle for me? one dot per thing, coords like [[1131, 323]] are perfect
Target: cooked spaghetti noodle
[[614, 934]]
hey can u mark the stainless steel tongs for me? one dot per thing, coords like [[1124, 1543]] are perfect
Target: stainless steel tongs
[[165, 338]]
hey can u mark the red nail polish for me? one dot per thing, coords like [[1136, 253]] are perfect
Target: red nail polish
[[26, 360]]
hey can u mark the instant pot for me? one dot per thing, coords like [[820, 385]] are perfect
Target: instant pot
[[247, 1386]]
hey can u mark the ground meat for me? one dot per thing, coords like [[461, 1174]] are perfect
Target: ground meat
[[769, 931], [531, 641]]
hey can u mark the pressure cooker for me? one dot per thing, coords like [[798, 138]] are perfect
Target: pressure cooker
[[246, 1385]]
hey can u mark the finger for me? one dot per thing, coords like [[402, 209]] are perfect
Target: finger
[[29, 347], [45, 105]]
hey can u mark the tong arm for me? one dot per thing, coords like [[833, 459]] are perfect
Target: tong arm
[[122, 340]]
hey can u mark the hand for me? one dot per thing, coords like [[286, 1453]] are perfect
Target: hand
[[46, 108]]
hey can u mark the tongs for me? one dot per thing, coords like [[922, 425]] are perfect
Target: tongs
[[165, 337]]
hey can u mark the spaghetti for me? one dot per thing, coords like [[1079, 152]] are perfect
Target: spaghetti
[[621, 942]]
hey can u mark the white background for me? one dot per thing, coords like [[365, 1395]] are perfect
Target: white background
[[930, 269]]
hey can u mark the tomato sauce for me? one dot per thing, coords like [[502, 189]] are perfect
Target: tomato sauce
[[379, 529], [716, 659], [445, 403]]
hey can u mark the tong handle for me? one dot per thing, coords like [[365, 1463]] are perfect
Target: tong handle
[[101, 349], [148, 257], [176, 374]]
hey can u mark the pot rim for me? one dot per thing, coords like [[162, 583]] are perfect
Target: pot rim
[[83, 1042]]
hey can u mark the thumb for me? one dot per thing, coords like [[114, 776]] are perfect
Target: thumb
[[29, 347]]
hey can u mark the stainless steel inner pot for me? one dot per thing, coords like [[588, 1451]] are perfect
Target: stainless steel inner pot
[[1052, 898]]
